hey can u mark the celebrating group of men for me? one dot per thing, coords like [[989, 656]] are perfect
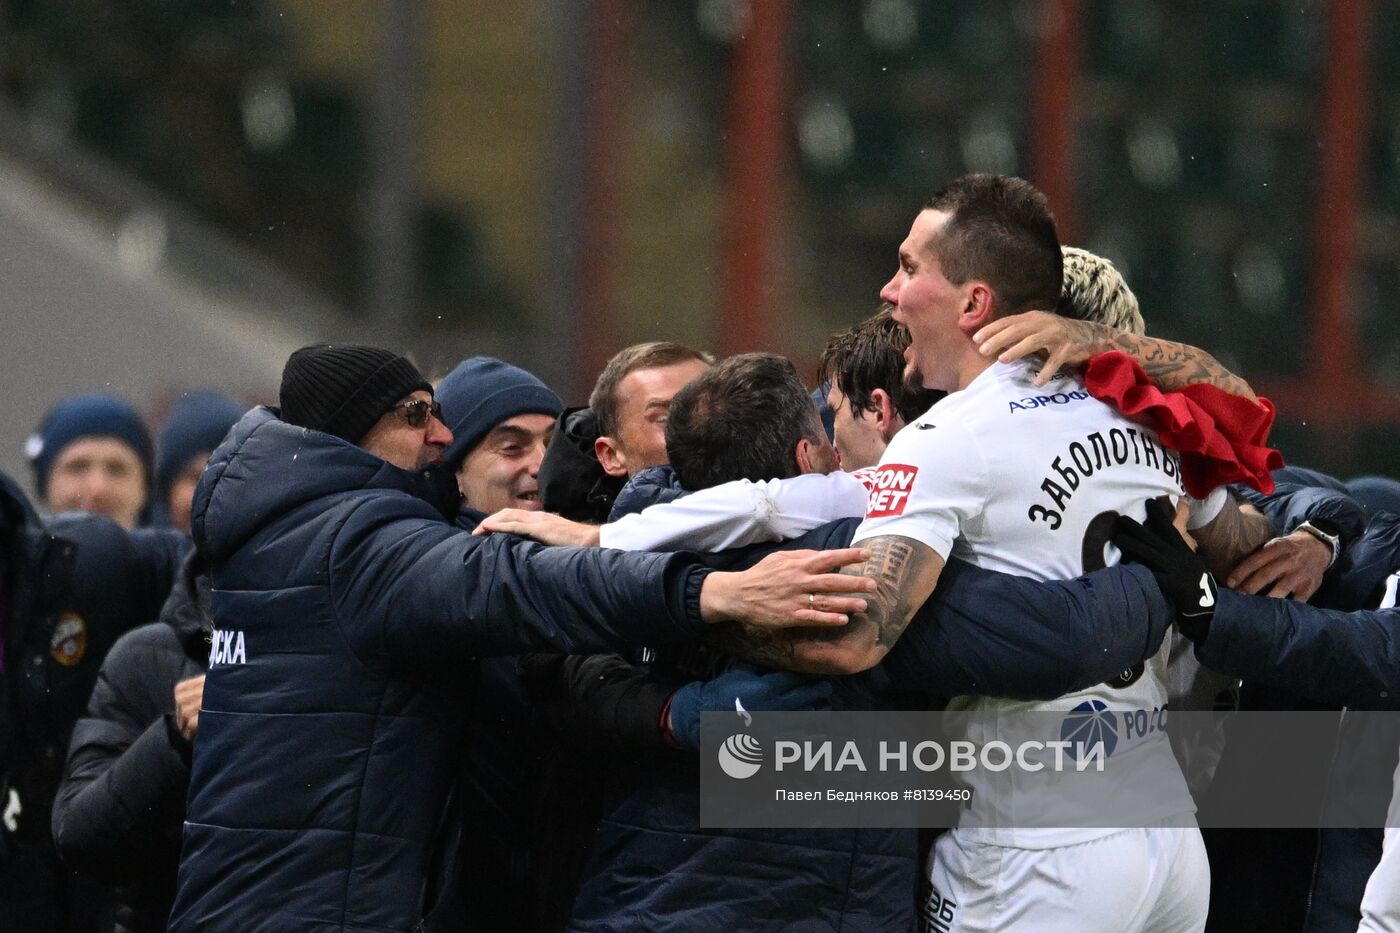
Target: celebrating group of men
[[415, 718]]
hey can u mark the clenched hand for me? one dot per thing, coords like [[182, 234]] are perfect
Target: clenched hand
[[189, 697]]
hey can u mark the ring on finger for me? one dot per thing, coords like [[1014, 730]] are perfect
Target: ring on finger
[[811, 601]]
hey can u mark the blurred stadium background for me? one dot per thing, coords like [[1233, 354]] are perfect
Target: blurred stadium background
[[189, 190]]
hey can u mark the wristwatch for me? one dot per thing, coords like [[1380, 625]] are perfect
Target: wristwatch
[[1327, 533]]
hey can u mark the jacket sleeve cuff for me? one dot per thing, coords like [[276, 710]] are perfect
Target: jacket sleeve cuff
[[641, 718], [694, 582], [1215, 646], [685, 577], [664, 723]]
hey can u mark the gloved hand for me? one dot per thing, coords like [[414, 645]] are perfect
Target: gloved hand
[[774, 690], [1180, 572]]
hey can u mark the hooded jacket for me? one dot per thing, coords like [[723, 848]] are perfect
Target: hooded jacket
[[572, 481], [69, 588], [348, 614], [122, 802]]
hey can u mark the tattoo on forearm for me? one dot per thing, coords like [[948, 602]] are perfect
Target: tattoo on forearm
[[1171, 366], [904, 572], [1231, 537], [767, 647]]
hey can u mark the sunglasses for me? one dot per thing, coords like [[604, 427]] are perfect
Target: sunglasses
[[416, 411]]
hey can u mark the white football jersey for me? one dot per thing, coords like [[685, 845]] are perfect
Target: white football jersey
[[1028, 481]]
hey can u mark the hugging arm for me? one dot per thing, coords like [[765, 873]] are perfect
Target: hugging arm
[[904, 572], [1068, 342]]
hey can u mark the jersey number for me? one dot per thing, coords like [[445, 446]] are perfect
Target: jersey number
[[1096, 538]]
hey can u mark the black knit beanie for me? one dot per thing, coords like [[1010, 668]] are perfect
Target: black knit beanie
[[344, 389]]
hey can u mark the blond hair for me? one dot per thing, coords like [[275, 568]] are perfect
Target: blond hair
[[1094, 290]]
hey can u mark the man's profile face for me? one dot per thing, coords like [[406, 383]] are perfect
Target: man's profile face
[[396, 441], [927, 304], [98, 474], [855, 434], [502, 470], [644, 402]]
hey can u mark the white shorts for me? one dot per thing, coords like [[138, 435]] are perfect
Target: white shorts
[[1153, 880]]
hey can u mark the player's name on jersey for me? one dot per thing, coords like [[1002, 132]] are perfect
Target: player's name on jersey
[[1096, 452]]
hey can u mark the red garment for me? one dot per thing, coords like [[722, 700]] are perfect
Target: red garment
[[1220, 436]]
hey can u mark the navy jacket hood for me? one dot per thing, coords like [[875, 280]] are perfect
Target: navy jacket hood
[[572, 481]]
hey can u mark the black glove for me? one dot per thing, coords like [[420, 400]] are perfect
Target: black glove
[[1180, 572]]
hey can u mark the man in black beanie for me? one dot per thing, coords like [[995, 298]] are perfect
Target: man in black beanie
[[348, 618], [355, 393]]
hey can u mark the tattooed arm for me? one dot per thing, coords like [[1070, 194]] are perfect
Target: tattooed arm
[[762, 646], [1232, 536], [905, 572], [1067, 342]]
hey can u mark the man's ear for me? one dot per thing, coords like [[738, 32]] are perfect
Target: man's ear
[[610, 455], [461, 474], [978, 310], [804, 457], [887, 420]]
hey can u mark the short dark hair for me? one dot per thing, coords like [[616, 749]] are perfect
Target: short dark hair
[[1000, 230], [740, 420], [653, 355], [870, 356]]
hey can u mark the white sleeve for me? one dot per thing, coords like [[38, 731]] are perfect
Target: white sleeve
[[1380, 906], [739, 513], [1201, 512], [929, 484]]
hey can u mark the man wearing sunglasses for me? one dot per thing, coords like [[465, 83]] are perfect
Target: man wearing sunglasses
[[348, 617]]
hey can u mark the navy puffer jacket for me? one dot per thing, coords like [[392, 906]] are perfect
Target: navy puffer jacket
[[348, 613], [69, 587], [651, 486]]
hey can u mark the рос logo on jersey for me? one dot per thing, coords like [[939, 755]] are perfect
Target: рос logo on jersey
[[889, 487]]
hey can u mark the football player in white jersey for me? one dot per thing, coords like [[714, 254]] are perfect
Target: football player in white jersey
[[864, 368], [1024, 479]]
